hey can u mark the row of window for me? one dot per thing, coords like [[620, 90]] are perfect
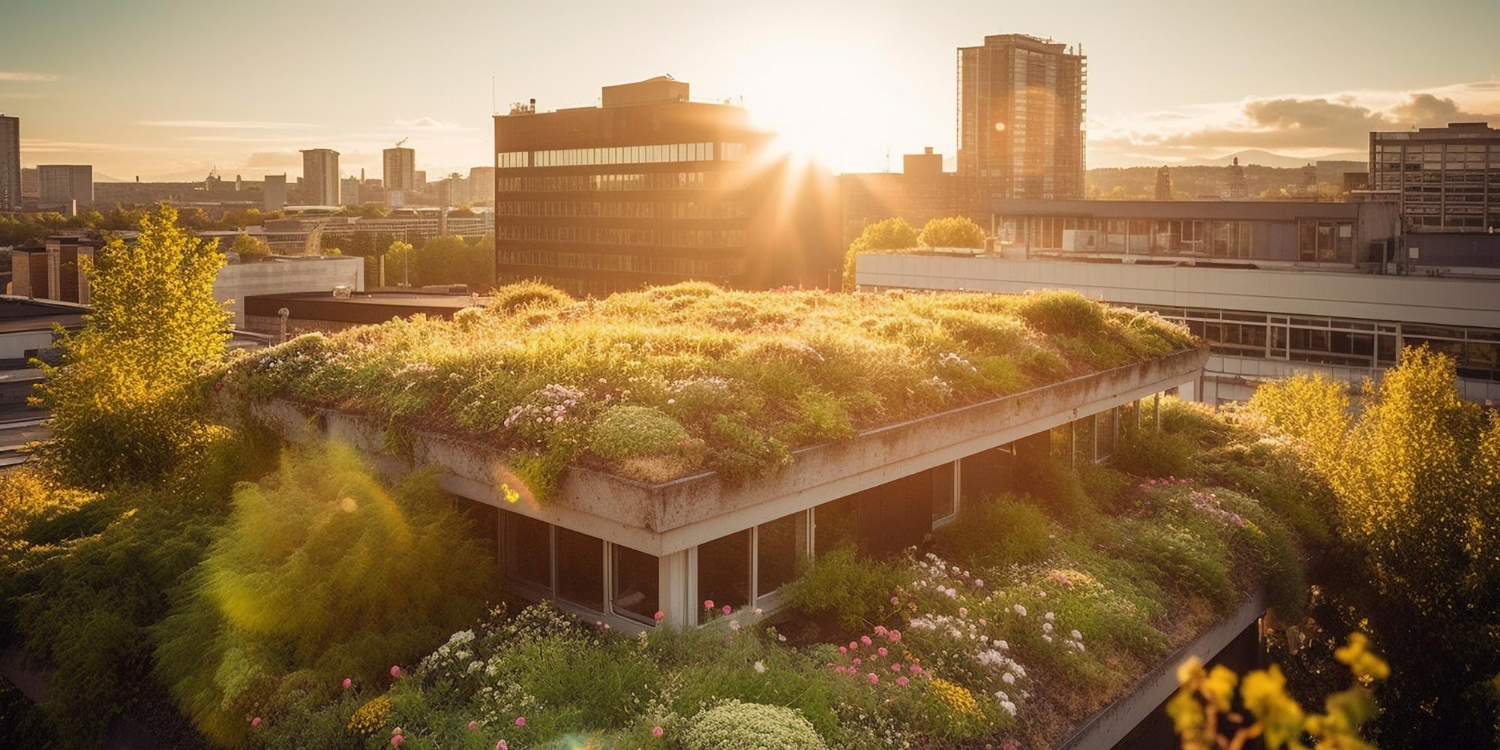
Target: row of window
[[697, 268], [1325, 241], [1219, 239], [1336, 341], [627, 209], [609, 183], [617, 236], [664, 153]]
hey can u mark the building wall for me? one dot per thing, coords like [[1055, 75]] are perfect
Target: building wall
[[10, 163], [236, 282], [320, 177], [1448, 179], [64, 183]]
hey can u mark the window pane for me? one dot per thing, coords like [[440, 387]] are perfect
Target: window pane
[[636, 581], [779, 545], [835, 524], [580, 569], [724, 570], [942, 492], [528, 551]]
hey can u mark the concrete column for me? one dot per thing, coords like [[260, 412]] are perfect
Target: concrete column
[[673, 589], [1188, 391]]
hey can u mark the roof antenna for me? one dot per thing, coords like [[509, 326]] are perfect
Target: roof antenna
[[494, 109]]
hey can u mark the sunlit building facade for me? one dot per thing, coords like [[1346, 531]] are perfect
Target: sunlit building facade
[[61, 184], [320, 177], [1021, 105], [10, 163], [1445, 179], [652, 188]]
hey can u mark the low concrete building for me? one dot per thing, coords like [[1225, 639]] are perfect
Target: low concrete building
[[619, 550], [1262, 323], [331, 311]]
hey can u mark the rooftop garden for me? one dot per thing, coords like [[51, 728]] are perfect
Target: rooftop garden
[[663, 383]]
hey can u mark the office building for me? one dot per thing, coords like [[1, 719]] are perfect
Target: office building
[[320, 177], [400, 169], [273, 192], [922, 191], [652, 188], [349, 191], [62, 184], [453, 190], [482, 185], [1021, 117], [1444, 179], [31, 188], [1275, 288], [1163, 184], [10, 163]]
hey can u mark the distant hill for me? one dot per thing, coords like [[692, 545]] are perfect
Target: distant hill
[[1268, 159], [1199, 180]]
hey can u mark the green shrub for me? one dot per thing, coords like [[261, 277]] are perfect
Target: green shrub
[[891, 234], [319, 569], [954, 231], [1061, 313], [627, 431], [1184, 558], [1056, 488], [843, 586], [512, 297], [996, 533], [733, 725], [1149, 453]]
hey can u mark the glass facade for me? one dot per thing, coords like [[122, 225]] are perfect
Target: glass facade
[[610, 155], [580, 569], [634, 591], [724, 570], [779, 546], [1448, 179]]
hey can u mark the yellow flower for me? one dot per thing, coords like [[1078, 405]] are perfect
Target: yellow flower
[[957, 697], [372, 716]]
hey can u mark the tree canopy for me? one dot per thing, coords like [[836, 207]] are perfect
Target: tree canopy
[[955, 231]]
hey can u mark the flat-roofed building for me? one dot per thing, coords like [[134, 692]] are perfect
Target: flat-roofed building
[[320, 177], [653, 188], [1445, 179], [1021, 104], [10, 163], [399, 169], [62, 184]]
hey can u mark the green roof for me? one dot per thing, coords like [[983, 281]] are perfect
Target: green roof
[[661, 383]]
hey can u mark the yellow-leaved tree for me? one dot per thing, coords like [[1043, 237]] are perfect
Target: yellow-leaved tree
[[125, 401], [954, 231], [1416, 476], [891, 234]]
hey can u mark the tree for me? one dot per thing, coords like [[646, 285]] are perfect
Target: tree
[[955, 231], [451, 260], [250, 249], [398, 261], [891, 234], [124, 403], [321, 573], [1417, 482]]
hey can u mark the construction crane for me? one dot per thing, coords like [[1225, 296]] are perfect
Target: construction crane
[[403, 140]]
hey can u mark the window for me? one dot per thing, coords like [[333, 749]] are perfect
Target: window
[[985, 474], [835, 525], [528, 551], [778, 547], [724, 570], [944, 499], [636, 580], [580, 569]]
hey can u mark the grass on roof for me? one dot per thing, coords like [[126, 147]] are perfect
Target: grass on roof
[[661, 383]]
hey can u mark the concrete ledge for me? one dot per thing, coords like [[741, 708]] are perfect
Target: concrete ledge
[[1110, 724], [677, 515]]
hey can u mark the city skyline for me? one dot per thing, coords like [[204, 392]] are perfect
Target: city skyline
[[258, 98]]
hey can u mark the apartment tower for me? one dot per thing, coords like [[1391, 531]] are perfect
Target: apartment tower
[[320, 176], [10, 163], [1021, 117]]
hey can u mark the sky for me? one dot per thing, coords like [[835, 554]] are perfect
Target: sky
[[168, 89]]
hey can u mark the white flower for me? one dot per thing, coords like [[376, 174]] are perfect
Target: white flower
[[1048, 616], [1077, 636], [1009, 707], [1047, 638], [963, 611], [760, 667], [1046, 627], [1008, 678], [1020, 610], [1001, 696], [734, 625]]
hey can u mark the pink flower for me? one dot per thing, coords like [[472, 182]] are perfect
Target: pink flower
[[726, 610], [473, 725], [843, 649], [396, 740], [656, 731], [255, 723], [520, 721], [902, 681], [708, 604], [659, 616], [881, 651], [895, 636], [895, 600], [873, 678], [395, 671], [880, 630], [857, 662], [895, 667], [916, 669], [853, 645], [838, 670], [501, 745], [865, 639], [348, 683]]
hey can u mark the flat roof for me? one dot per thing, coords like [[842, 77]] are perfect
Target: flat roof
[[1204, 209]]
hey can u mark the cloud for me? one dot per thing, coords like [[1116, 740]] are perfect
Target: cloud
[[226, 124], [47, 146], [27, 77], [273, 159], [1292, 124], [429, 123]]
